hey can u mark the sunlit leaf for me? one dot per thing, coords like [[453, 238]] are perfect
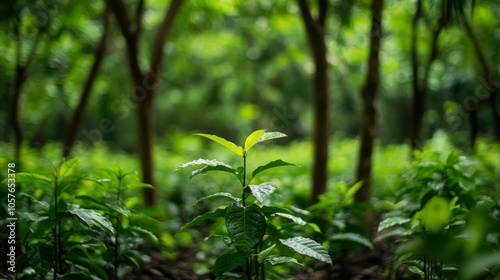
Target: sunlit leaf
[[392, 221], [253, 139], [207, 169], [308, 247], [263, 190], [276, 260], [230, 145], [93, 219], [271, 135], [208, 162]]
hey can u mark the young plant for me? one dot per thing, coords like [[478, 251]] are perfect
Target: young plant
[[122, 246], [246, 221], [61, 235], [445, 232]]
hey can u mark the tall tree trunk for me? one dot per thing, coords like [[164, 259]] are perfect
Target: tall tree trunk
[[21, 70], [315, 29], [420, 92], [488, 74], [87, 88], [145, 83], [368, 122]]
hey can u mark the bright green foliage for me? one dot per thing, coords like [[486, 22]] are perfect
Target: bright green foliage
[[251, 227], [79, 236], [448, 217]]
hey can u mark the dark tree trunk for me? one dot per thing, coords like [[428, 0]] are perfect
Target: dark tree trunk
[[488, 74], [420, 87], [145, 83], [87, 89], [21, 71], [315, 29], [368, 122]]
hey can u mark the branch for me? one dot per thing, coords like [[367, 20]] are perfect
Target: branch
[[161, 37], [129, 33]]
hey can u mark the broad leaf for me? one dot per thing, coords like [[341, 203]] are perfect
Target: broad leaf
[[308, 247], [354, 237], [230, 145], [263, 190], [246, 226], [269, 211], [228, 262], [31, 180], [271, 135], [276, 260], [217, 213], [209, 162], [40, 258], [224, 238], [272, 164], [253, 139], [146, 234], [220, 194], [93, 219], [264, 253], [392, 221], [207, 169], [295, 219]]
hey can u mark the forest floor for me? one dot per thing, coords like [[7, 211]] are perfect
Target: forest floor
[[364, 264]]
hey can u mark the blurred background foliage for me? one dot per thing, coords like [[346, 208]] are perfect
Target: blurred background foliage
[[234, 66]]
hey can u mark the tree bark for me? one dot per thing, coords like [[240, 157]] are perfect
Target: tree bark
[[488, 74], [315, 29], [368, 123], [21, 70], [87, 88], [145, 82], [420, 92]]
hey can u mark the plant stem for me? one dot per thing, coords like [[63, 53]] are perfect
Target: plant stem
[[57, 234], [243, 198], [118, 225]]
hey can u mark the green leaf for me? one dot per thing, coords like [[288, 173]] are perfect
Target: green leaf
[[207, 169], [308, 247], [93, 219], [208, 162], [269, 211], [352, 190], [264, 253], [272, 164], [218, 213], [276, 260], [479, 263], [31, 180], [352, 237], [417, 271], [253, 139], [40, 258], [392, 221], [246, 226], [230, 145], [271, 135], [263, 190], [295, 219], [219, 194], [228, 262], [151, 237], [224, 238]]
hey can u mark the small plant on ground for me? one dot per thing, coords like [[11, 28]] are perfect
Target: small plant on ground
[[252, 231], [449, 228]]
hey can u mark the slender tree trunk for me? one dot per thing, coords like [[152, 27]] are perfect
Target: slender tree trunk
[[488, 74], [145, 83], [21, 70], [368, 123], [315, 29], [420, 95], [87, 88], [415, 128]]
